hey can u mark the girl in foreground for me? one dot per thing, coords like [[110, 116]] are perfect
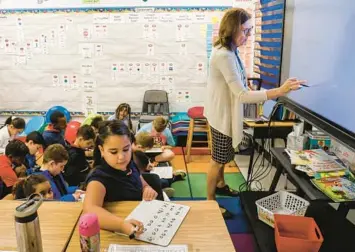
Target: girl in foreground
[[116, 179]]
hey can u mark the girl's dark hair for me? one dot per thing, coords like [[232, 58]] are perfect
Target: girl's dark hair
[[125, 106], [27, 186], [113, 128], [16, 122], [230, 26], [106, 129], [96, 121]]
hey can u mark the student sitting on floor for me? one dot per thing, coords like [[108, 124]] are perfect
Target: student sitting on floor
[[95, 123], [162, 138], [13, 126], [143, 141], [78, 167], [55, 130], [55, 158], [34, 141], [123, 113], [34, 183], [11, 165], [116, 179], [144, 165], [95, 126]]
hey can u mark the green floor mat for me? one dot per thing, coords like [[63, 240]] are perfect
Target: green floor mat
[[198, 184]]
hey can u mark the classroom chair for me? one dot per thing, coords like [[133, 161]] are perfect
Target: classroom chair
[[155, 103], [36, 123], [57, 108], [196, 114], [71, 130]]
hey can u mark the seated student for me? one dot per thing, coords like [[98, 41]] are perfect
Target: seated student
[[162, 138], [78, 167], [123, 113], [11, 165], [95, 123], [13, 126], [34, 183], [34, 141], [143, 141], [55, 158], [55, 130], [95, 126], [115, 179], [143, 163]]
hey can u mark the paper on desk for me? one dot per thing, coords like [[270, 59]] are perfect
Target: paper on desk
[[161, 220], [146, 248], [165, 172]]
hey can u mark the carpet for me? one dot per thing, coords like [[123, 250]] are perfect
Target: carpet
[[199, 185], [243, 242]]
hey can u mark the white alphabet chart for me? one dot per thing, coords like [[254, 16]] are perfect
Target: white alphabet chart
[[161, 220]]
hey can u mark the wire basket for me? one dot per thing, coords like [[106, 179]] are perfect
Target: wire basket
[[281, 202]]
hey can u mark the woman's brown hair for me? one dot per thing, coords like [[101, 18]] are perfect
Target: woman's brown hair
[[230, 27]]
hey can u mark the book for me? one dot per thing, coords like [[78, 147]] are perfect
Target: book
[[339, 189], [317, 160], [165, 172]]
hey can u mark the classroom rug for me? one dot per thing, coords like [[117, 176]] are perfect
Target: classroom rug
[[238, 224], [199, 185], [194, 187], [243, 242]]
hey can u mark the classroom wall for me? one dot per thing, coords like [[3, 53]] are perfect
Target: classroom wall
[[22, 4], [43, 80]]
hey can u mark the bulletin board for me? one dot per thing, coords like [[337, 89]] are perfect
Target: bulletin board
[[93, 56]]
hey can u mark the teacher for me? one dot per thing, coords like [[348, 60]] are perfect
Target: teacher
[[227, 92]]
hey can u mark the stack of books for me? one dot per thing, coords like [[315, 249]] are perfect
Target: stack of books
[[330, 175]]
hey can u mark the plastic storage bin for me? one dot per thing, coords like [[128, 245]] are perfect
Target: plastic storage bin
[[281, 202], [296, 233]]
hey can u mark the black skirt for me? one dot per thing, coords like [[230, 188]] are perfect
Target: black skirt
[[222, 147]]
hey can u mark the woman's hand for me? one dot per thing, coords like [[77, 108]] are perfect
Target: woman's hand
[[149, 194], [130, 226], [290, 84]]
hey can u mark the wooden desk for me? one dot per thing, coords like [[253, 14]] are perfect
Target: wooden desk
[[57, 220], [266, 124], [202, 230]]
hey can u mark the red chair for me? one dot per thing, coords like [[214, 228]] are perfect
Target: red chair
[[196, 114], [71, 130]]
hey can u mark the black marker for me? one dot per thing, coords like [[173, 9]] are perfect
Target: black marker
[[304, 85], [133, 235]]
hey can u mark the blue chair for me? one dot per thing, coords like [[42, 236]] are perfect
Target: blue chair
[[34, 124]]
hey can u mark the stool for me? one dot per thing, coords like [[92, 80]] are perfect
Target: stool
[[196, 114]]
